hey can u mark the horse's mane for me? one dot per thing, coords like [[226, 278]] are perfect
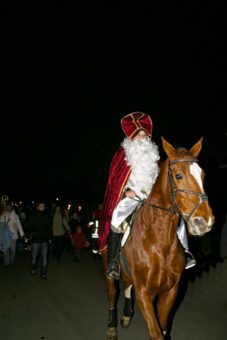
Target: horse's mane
[[182, 151]]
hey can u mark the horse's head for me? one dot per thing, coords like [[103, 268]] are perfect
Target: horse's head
[[185, 178]]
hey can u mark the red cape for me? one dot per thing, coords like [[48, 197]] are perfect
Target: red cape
[[118, 176]]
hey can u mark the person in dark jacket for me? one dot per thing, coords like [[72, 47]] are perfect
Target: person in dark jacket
[[40, 230]]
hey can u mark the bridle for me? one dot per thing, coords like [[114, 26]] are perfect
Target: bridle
[[174, 190]]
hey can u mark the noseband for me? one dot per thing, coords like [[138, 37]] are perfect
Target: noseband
[[175, 190]]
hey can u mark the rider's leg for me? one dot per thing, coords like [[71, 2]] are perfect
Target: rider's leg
[[182, 235], [114, 239]]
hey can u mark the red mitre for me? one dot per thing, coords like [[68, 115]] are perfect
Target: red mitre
[[118, 176], [135, 122]]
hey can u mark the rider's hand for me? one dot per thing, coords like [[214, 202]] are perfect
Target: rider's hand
[[130, 193]]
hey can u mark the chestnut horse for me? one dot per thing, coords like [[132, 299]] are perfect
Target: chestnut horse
[[152, 259]]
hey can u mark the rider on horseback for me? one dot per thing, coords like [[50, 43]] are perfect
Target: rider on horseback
[[133, 172]]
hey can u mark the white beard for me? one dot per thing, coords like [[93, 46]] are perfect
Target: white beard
[[142, 156]]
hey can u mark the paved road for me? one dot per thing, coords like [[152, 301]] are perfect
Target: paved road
[[72, 305]]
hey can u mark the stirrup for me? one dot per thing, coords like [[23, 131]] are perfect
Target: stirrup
[[190, 260]]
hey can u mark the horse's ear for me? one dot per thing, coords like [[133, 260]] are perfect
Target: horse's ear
[[168, 148], [195, 149]]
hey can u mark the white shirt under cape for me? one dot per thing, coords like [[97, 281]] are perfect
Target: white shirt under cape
[[127, 205]]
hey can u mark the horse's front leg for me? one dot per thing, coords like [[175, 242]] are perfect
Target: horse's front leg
[[112, 299], [164, 307], [145, 302], [112, 319]]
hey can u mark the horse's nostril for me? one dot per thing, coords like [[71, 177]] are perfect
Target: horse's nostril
[[198, 221]]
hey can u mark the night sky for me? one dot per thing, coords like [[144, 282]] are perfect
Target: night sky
[[68, 75]]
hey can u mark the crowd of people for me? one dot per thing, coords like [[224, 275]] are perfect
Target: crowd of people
[[43, 231]]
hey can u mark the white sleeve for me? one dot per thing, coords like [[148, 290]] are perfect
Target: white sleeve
[[131, 184]]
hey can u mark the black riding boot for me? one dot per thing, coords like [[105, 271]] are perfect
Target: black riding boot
[[113, 271]]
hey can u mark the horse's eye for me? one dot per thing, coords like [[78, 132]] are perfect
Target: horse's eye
[[179, 176]]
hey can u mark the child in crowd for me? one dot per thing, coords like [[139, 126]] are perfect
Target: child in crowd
[[79, 242]]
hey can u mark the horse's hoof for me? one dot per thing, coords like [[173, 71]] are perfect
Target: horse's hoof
[[125, 321], [112, 333]]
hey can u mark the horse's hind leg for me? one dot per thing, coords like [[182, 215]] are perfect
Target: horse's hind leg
[[145, 303], [128, 307], [164, 306]]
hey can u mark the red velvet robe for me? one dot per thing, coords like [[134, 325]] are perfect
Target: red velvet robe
[[118, 176]]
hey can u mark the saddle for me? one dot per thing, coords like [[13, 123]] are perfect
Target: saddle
[[126, 228]]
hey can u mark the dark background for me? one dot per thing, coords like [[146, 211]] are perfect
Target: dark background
[[69, 73]]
